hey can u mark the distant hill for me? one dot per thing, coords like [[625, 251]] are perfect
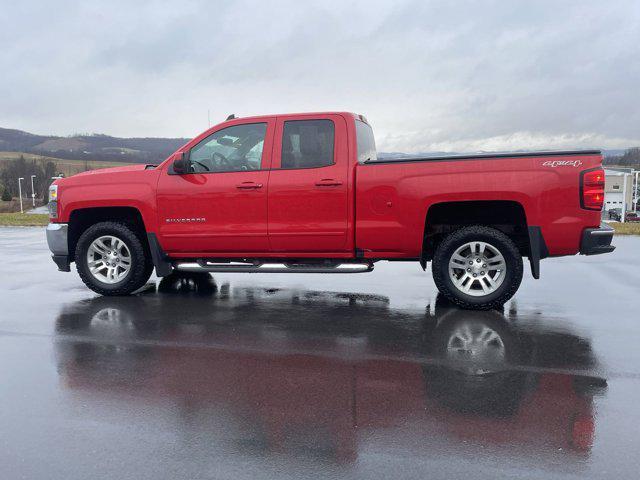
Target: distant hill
[[91, 147]]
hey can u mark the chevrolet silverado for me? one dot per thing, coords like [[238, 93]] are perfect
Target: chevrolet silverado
[[307, 193]]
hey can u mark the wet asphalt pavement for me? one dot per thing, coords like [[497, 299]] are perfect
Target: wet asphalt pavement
[[323, 376]]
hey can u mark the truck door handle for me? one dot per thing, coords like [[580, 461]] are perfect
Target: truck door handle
[[249, 186], [328, 182]]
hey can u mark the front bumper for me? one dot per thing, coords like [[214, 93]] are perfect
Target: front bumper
[[597, 240], [57, 241]]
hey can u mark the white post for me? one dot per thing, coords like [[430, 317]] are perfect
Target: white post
[[33, 193], [624, 197], [20, 193], [636, 192]]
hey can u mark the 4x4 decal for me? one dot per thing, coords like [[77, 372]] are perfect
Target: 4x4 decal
[[562, 163]]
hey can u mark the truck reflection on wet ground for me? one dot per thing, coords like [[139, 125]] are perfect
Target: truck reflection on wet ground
[[327, 375]]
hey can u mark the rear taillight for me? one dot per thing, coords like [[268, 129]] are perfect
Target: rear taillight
[[582, 432], [592, 189]]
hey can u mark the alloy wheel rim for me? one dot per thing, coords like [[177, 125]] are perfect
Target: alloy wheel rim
[[477, 268], [109, 259]]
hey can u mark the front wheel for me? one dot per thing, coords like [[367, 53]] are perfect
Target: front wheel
[[111, 259], [477, 267]]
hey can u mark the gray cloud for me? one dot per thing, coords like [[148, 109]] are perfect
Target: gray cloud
[[435, 75]]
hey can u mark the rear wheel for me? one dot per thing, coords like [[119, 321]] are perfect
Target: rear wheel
[[111, 260], [477, 267]]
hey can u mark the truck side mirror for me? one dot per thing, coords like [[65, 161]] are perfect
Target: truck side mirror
[[181, 164]]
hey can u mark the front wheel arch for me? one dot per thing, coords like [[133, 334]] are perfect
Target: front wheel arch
[[83, 218]]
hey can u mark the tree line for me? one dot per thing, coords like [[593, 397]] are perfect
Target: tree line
[[630, 158], [12, 170]]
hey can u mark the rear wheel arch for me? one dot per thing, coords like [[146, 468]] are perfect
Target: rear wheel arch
[[506, 216]]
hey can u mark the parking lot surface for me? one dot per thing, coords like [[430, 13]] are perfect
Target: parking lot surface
[[326, 376]]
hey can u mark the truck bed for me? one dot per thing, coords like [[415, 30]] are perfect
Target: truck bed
[[393, 196], [439, 158]]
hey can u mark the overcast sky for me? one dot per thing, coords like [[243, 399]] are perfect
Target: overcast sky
[[429, 75]]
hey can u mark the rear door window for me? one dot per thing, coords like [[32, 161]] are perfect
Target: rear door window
[[307, 144], [366, 142]]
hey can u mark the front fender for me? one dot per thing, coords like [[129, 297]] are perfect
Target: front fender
[[130, 189]]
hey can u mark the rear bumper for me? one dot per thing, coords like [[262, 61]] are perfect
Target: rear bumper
[[57, 241], [597, 240]]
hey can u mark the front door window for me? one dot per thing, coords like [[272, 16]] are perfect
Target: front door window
[[232, 149]]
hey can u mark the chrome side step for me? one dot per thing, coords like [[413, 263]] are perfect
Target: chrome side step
[[248, 267]]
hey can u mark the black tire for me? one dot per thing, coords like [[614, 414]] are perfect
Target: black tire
[[141, 265], [200, 283], [508, 249]]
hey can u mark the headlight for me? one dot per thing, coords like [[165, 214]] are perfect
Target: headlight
[[53, 201], [53, 193]]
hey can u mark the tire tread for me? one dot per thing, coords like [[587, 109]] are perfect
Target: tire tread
[[139, 274], [461, 235]]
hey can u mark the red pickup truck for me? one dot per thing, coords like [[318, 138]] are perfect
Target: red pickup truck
[[307, 193]]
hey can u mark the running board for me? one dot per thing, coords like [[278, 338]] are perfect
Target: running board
[[243, 267]]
